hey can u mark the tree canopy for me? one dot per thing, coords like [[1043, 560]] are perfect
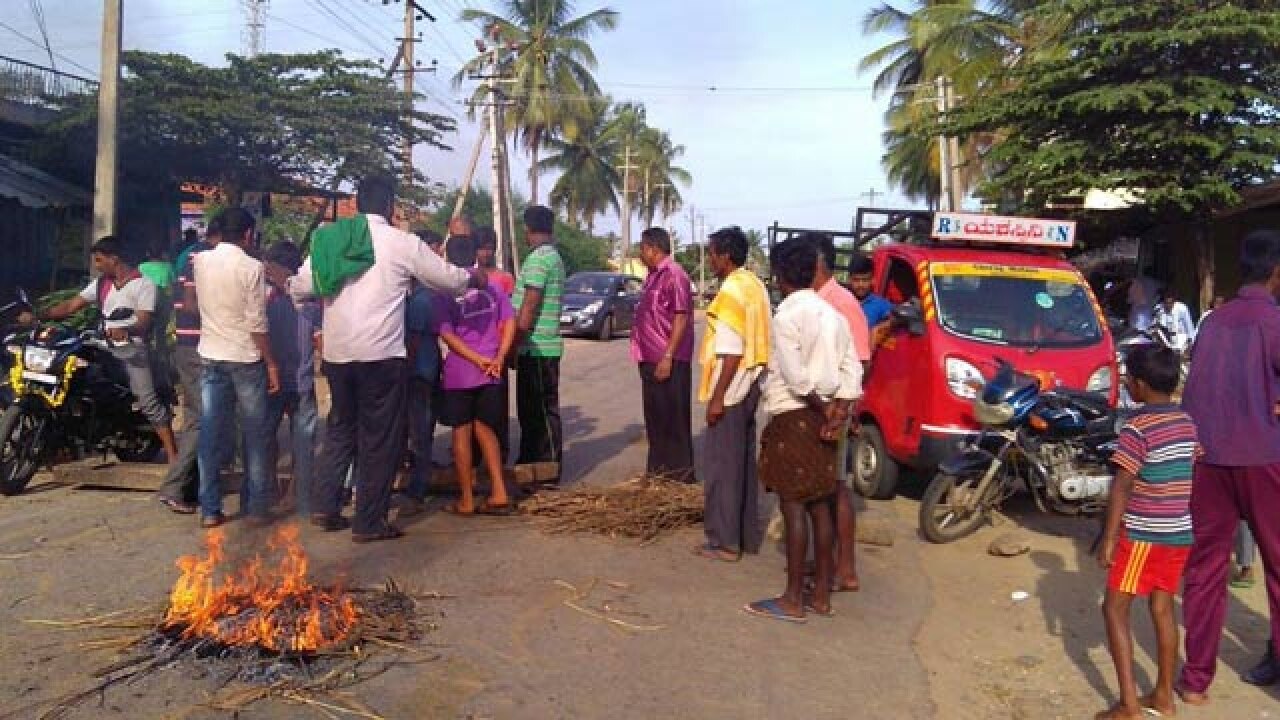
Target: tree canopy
[[268, 123]]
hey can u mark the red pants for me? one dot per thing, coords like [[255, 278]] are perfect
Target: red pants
[[1220, 498]]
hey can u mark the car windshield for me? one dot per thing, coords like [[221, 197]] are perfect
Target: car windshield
[[589, 285], [1020, 307]]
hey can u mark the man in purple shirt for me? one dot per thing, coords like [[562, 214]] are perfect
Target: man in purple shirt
[[662, 344], [1231, 393]]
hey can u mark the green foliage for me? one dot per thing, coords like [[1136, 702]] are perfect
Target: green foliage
[[272, 122], [581, 252], [82, 320], [1178, 101]]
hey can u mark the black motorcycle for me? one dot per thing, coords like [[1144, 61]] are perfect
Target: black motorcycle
[[69, 397], [1057, 444]]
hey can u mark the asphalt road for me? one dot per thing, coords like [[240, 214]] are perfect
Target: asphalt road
[[506, 645]]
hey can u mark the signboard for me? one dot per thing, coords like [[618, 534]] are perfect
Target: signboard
[[1004, 230]]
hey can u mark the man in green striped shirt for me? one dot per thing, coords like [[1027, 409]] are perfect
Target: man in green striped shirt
[[537, 300]]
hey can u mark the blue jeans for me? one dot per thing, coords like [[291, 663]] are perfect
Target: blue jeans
[[225, 389], [303, 418], [422, 430]]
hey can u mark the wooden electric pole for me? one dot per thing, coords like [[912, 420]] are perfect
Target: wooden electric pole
[[106, 168]]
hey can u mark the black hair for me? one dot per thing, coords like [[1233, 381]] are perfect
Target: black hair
[[1259, 256], [110, 246], [285, 253], [730, 241], [376, 195], [485, 236], [214, 228], [794, 262], [190, 234], [233, 223], [860, 264], [461, 251], [657, 237], [430, 237], [1155, 365], [539, 219], [824, 244], [1168, 294]]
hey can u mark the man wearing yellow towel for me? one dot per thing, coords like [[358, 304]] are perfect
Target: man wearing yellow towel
[[735, 351]]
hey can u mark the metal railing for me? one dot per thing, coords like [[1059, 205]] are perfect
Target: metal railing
[[32, 84]]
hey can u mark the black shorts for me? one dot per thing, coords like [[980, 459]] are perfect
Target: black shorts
[[480, 404]]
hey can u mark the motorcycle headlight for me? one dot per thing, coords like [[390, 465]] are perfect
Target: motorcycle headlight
[[593, 308], [1100, 381], [14, 350], [963, 379], [38, 359]]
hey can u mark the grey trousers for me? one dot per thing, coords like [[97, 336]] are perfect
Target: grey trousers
[[136, 359], [730, 489], [183, 478]]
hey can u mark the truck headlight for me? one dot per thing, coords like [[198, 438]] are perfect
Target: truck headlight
[[1101, 380], [963, 379]]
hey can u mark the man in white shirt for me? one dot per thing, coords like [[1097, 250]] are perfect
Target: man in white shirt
[[1142, 296], [365, 363], [1175, 318], [120, 285], [237, 368], [813, 379], [735, 350]]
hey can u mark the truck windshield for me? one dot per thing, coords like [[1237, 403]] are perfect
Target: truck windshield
[[1019, 307]]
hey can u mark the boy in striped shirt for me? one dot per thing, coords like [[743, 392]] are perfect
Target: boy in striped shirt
[[1148, 528]]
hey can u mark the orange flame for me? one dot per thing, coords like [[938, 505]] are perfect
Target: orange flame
[[275, 608]]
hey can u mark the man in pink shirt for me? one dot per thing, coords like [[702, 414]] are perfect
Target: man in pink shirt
[[662, 345], [839, 297]]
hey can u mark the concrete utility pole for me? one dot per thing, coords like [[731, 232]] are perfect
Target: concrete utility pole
[[953, 153], [944, 150], [505, 254], [106, 170], [627, 167]]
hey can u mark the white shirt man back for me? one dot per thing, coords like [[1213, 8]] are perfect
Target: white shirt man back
[[233, 303], [812, 353], [364, 321]]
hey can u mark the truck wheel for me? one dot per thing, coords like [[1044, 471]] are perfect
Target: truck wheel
[[875, 474], [943, 517], [18, 461]]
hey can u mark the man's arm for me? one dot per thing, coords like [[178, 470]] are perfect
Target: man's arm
[[529, 309], [1121, 491], [65, 309], [301, 285], [459, 346], [255, 317], [715, 405], [432, 270], [679, 325]]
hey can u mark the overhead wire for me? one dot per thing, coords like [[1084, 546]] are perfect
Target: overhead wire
[[323, 6], [93, 74]]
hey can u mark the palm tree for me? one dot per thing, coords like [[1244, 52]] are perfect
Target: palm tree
[[975, 48], [551, 65], [583, 154], [656, 166]]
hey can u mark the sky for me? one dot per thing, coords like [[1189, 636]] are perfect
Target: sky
[[765, 95]]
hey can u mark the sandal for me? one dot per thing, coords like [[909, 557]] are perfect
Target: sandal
[[504, 510], [452, 509], [711, 552], [772, 610]]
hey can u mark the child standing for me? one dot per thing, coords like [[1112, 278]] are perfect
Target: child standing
[[478, 329], [1148, 527]]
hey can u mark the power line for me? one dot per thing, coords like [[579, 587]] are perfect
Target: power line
[[37, 9], [92, 73], [336, 43], [324, 7]]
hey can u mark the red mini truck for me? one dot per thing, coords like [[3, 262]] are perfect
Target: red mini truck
[[983, 289]]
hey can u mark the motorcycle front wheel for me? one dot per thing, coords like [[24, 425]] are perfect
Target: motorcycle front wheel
[[18, 452], [943, 514]]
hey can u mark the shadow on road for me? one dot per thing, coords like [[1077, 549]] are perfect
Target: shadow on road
[[585, 450]]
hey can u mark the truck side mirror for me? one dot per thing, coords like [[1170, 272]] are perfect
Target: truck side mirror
[[908, 315]]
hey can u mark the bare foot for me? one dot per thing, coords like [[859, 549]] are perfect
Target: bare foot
[[1199, 699], [1162, 704], [846, 584], [1120, 712]]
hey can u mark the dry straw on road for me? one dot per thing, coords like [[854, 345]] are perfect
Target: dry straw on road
[[646, 508]]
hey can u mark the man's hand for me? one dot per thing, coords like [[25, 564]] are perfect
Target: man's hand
[[117, 334], [662, 372], [26, 318], [495, 367], [273, 378], [1107, 552], [715, 411]]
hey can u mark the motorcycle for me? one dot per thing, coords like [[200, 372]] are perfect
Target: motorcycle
[[69, 397], [1056, 443], [1130, 339]]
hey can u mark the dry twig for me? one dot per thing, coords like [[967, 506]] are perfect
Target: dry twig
[[646, 508]]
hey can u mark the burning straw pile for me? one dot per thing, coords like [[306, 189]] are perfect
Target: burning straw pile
[[260, 629], [646, 508]]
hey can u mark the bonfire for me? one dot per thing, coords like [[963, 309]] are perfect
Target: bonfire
[[273, 607]]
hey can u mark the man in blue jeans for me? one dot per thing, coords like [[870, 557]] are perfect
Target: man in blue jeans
[[239, 370], [423, 346], [294, 329]]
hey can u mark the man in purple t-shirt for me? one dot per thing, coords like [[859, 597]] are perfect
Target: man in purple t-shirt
[[1232, 393], [479, 329], [662, 345]]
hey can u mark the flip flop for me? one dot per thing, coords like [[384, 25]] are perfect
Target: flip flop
[[706, 550], [503, 510], [772, 610], [452, 509]]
